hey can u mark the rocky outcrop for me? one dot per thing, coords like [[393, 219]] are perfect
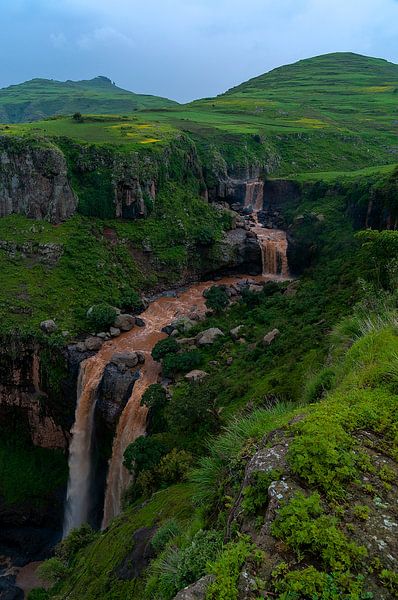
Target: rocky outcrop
[[34, 181], [239, 250], [114, 391]]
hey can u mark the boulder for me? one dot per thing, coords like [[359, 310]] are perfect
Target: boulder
[[236, 332], [208, 337], [186, 341], [102, 335], [93, 343], [114, 331], [255, 288], [196, 375], [271, 336], [141, 357], [196, 591], [139, 322], [125, 360], [124, 322], [183, 324], [48, 326]]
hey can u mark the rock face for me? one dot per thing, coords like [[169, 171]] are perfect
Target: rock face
[[114, 391], [196, 376], [34, 182]]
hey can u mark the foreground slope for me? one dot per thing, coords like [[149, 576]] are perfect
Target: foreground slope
[[41, 98]]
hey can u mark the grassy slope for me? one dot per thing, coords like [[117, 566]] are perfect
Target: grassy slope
[[100, 260], [328, 456], [40, 98]]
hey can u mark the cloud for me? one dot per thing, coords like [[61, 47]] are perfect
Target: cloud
[[104, 36], [58, 40]]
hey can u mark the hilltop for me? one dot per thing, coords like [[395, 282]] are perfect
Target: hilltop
[[41, 98]]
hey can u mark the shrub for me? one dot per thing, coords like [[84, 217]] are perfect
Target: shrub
[[143, 454], [77, 539], [155, 398], [303, 526], [130, 300], [227, 570], [169, 530], [216, 298], [38, 594], [101, 316], [181, 363], [193, 410], [174, 466], [164, 347], [194, 559], [255, 495], [319, 385], [52, 570]]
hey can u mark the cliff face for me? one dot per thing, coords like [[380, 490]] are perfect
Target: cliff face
[[34, 182]]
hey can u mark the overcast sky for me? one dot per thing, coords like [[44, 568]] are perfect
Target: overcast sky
[[184, 49]]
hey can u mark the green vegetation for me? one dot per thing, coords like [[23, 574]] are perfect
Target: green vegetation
[[40, 98], [101, 316]]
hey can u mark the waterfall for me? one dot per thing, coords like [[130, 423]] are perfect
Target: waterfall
[[273, 242], [78, 491], [132, 424], [254, 195]]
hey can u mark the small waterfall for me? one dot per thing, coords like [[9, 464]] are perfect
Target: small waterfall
[[132, 424], [78, 491], [273, 242], [254, 195]]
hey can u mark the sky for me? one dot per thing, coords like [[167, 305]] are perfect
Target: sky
[[184, 49]]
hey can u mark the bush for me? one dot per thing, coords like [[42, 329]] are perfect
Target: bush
[[77, 539], [38, 594], [255, 495], [193, 410], [164, 347], [174, 466], [155, 398], [101, 316], [227, 570], [319, 385], [216, 298], [130, 301], [193, 560], [52, 571], [143, 454], [303, 526], [181, 363], [169, 530]]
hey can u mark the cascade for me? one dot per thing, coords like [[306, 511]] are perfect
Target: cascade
[[132, 422], [273, 242], [78, 491]]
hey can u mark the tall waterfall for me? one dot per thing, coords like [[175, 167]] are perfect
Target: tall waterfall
[[78, 491]]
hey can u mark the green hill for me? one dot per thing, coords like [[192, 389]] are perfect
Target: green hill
[[41, 98]]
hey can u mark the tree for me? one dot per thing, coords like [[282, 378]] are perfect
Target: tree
[[101, 316], [216, 298], [155, 398], [77, 117], [164, 347], [143, 454]]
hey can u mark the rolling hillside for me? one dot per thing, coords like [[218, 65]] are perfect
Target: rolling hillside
[[41, 98]]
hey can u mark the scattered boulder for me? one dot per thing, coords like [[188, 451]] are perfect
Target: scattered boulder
[[186, 341], [196, 591], [183, 324], [236, 332], [48, 326], [125, 360], [114, 331], [271, 336], [103, 335], [124, 322], [93, 343], [255, 288], [141, 357], [139, 322], [168, 329], [196, 375], [208, 337]]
